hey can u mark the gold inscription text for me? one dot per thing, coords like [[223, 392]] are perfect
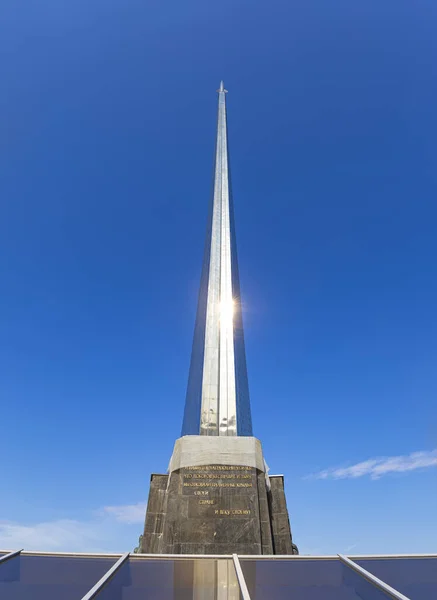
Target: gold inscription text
[[232, 511], [216, 484]]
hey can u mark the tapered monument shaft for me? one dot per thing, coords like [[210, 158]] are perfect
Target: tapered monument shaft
[[217, 496], [217, 401]]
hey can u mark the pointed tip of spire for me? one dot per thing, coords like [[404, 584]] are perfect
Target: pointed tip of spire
[[222, 88]]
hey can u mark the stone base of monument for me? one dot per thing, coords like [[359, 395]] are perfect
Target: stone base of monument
[[217, 499]]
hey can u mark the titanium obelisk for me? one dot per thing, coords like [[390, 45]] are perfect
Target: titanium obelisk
[[217, 497], [217, 400]]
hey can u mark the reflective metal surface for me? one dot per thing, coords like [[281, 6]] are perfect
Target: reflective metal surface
[[217, 400]]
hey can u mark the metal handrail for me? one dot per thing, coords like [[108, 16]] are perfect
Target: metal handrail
[[240, 578], [347, 560], [96, 589], [228, 556], [137, 555], [287, 557], [384, 587], [376, 556], [10, 555]]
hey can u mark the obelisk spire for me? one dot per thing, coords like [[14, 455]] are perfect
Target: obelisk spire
[[217, 400]]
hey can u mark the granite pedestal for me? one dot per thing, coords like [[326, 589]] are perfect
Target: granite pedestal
[[217, 499]]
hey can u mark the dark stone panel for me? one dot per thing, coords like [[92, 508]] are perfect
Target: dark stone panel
[[266, 536], [195, 548], [216, 509], [228, 548], [241, 531], [281, 532], [264, 512], [278, 502], [283, 544], [153, 526], [147, 545], [281, 525]]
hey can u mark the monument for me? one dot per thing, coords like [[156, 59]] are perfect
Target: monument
[[217, 497]]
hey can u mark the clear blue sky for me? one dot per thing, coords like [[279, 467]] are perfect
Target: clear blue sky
[[107, 114]]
